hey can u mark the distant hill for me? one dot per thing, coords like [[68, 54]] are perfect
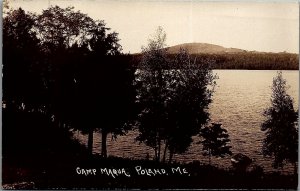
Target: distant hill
[[234, 58], [203, 48]]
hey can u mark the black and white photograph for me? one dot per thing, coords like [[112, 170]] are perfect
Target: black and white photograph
[[150, 94]]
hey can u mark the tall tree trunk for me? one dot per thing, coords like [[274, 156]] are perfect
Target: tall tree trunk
[[159, 148], [103, 144], [155, 153], [90, 141], [170, 156], [165, 152], [209, 155]]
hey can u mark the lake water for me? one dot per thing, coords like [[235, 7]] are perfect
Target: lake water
[[238, 103]]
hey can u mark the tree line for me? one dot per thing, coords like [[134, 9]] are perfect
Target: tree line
[[255, 61], [70, 68], [245, 60]]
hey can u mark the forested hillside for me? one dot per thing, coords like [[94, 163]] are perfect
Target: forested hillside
[[244, 60], [253, 61]]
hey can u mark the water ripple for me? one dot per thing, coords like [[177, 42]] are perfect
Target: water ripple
[[238, 103]]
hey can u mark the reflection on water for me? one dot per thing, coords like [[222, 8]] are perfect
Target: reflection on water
[[238, 103]]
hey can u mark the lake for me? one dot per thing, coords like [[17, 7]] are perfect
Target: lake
[[238, 103]]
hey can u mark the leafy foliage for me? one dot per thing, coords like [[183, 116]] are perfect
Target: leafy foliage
[[173, 102], [192, 87], [22, 82], [152, 92], [64, 63], [105, 88]]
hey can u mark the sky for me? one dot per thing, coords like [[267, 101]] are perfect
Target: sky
[[259, 26]]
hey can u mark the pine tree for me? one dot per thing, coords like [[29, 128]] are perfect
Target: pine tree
[[281, 126], [215, 141]]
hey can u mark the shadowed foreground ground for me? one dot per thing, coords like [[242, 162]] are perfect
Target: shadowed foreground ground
[[98, 173], [38, 155]]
